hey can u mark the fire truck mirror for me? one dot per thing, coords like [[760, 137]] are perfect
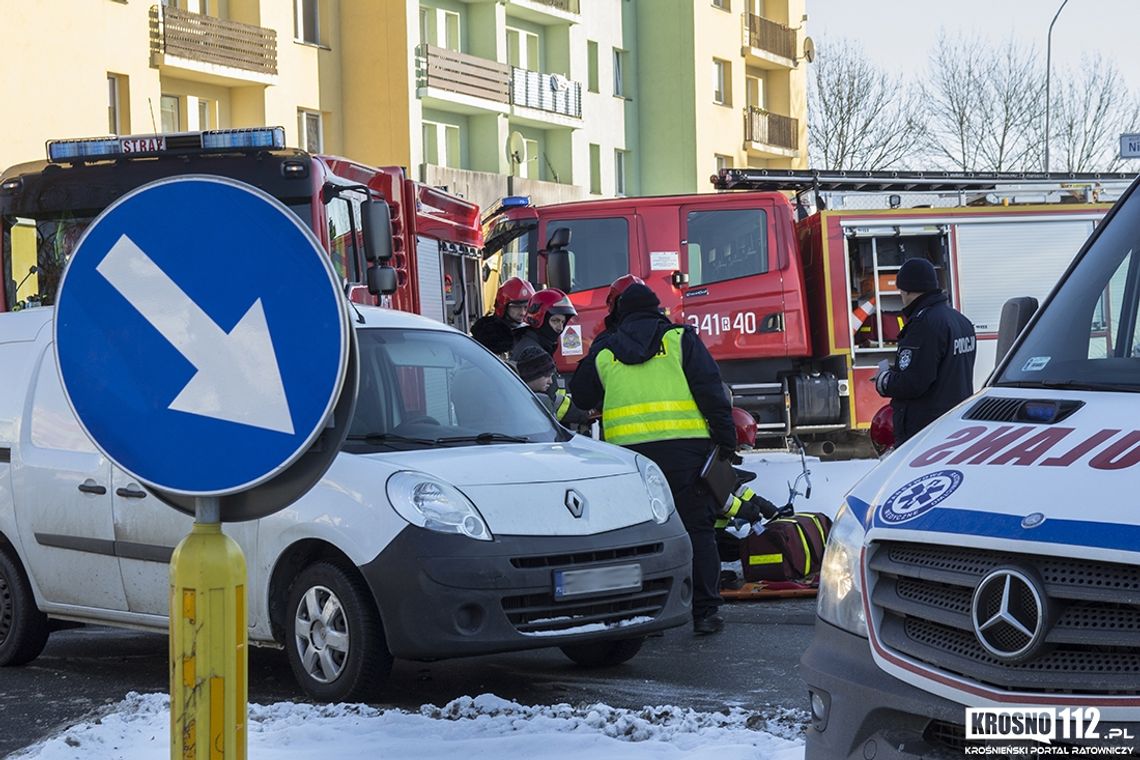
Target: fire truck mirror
[[377, 227], [558, 269], [381, 280], [559, 239], [1015, 315]]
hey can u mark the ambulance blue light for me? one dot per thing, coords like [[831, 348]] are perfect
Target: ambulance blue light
[[1039, 411], [272, 138], [70, 150], [515, 201]]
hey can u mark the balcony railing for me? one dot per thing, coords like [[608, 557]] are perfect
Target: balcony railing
[[768, 35], [761, 126], [546, 92], [570, 6], [464, 74], [206, 39]]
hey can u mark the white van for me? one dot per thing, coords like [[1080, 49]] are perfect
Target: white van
[[990, 566], [459, 519]]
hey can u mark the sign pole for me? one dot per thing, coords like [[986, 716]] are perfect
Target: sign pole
[[208, 652]]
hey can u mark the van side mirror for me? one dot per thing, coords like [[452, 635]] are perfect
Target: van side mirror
[[1015, 315], [376, 224], [382, 280]]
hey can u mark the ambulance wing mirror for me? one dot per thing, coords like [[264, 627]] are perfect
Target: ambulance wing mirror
[[558, 260], [1015, 315], [376, 221], [382, 280]]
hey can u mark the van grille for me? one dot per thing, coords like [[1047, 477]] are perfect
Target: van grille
[[583, 558], [1092, 645], [541, 614]]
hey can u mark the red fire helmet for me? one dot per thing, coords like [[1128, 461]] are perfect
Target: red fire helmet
[[745, 427], [883, 428], [618, 287], [515, 290], [545, 302]]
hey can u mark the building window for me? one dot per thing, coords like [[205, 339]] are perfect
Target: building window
[[595, 169], [441, 145], [723, 162], [307, 21], [118, 116], [592, 66], [310, 128], [171, 108], [522, 49], [529, 167], [620, 167], [205, 111], [722, 82], [754, 87], [440, 28], [724, 5], [619, 73]]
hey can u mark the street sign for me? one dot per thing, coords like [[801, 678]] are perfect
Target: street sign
[[201, 335], [1130, 146]]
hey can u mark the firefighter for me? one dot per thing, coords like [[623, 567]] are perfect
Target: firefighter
[[497, 330], [617, 287], [933, 370], [547, 313], [661, 395], [745, 505]]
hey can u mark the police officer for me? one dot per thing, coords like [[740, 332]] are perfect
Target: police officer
[[661, 395], [497, 330], [934, 368]]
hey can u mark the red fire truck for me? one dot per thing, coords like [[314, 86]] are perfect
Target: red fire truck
[[392, 240], [798, 306]]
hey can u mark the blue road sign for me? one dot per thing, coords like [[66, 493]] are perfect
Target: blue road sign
[[201, 335]]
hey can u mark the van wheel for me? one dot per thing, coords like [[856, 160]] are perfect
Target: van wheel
[[23, 628], [334, 640], [603, 654]]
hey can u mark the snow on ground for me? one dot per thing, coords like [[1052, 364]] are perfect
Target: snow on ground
[[481, 727], [830, 481]]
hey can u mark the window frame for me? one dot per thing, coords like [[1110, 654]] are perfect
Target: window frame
[[722, 82], [619, 73], [303, 116], [305, 11]]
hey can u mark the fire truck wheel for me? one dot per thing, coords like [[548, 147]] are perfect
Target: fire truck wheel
[[23, 628], [603, 654], [335, 641]]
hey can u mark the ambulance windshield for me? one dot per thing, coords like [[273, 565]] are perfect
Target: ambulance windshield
[[1088, 337]]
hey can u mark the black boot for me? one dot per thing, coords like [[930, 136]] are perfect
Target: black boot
[[707, 624]]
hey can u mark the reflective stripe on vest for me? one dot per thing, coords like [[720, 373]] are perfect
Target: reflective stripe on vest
[[650, 401], [562, 403]]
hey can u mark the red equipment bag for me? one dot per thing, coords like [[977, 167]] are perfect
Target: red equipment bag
[[868, 332], [788, 549]]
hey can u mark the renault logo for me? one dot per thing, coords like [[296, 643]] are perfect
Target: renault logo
[[1010, 614], [575, 502]]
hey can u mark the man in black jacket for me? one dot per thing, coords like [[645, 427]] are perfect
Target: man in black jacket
[[934, 368], [662, 396]]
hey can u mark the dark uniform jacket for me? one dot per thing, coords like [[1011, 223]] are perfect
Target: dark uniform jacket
[[934, 368], [547, 340], [636, 340]]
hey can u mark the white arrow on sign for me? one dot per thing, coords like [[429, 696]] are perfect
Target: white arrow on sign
[[238, 379]]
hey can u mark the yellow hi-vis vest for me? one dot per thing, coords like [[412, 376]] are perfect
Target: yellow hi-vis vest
[[650, 401]]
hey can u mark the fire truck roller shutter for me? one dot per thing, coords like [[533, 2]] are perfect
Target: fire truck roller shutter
[[429, 264]]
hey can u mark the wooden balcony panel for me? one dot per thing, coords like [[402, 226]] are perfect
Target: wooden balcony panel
[[207, 39], [465, 74], [768, 128], [534, 90], [766, 34]]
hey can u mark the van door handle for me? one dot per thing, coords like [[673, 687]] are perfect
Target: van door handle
[[131, 493], [772, 323], [90, 486]]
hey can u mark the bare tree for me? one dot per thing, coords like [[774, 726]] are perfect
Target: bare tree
[[858, 116], [985, 105], [1091, 108]]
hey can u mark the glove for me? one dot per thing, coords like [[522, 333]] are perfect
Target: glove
[[786, 511], [726, 453], [756, 507]]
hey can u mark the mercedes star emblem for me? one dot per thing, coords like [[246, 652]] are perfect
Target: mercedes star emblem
[[1009, 613]]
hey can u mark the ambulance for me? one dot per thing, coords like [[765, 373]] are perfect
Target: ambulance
[[981, 589]]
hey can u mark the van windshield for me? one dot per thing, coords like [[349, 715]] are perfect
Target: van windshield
[[1088, 338], [429, 388]]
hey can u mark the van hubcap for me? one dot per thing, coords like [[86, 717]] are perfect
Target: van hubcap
[[320, 632]]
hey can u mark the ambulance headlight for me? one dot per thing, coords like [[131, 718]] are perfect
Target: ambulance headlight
[[660, 497], [840, 600], [436, 505]]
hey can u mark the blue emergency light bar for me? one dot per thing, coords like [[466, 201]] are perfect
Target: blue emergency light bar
[[514, 201], [256, 138]]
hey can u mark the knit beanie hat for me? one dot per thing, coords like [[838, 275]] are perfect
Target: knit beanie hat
[[917, 276], [533, 363]]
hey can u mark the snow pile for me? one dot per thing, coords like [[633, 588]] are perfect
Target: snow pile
[[139, 726]]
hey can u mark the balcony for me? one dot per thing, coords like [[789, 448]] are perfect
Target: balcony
[[215, 50], [770, 135], [449, 78], [546, 12], [551, 93], [768, 44]]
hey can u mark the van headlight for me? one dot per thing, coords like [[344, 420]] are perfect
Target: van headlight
[[660, 497], [434, 504], [840, 600]]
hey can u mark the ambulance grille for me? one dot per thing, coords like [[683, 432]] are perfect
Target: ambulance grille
[[540, 614], [924, 595], [582, 558]]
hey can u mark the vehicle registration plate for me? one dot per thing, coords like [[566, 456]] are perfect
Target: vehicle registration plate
[[568, 583]]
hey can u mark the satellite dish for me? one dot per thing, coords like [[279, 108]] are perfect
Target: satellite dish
[[516, 148], [809, 49]]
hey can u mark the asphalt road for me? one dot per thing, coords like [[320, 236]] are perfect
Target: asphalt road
[[752, 665]]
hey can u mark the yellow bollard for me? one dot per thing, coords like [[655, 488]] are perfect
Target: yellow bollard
[[208, 652]]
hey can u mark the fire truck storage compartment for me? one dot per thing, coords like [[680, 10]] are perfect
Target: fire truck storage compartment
[[814, 398]]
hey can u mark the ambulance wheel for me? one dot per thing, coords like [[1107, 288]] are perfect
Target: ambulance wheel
[[335, 641], [23, 628], [603, 654]]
